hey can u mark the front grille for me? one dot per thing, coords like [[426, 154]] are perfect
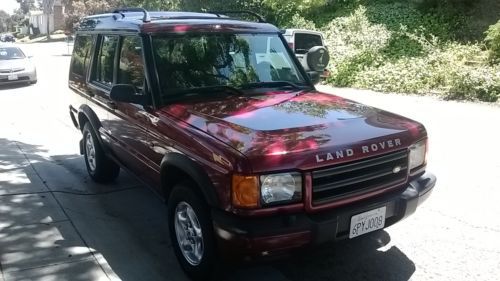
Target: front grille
[[359, 177], [23, 78], [8, 71]]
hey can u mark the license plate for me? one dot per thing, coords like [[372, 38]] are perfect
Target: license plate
[[12, 77], [367, 222]]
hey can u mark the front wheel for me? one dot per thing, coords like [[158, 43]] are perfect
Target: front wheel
[[191, 232], [100, 168]]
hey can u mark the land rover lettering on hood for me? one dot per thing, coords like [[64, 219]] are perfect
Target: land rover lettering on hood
[[219, 117]]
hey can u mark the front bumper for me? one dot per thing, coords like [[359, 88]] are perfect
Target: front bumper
[[263, 236], [21, 77]]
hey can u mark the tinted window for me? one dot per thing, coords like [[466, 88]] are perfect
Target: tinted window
[[131, 66], [222, 59], [80, 54], [304, 42], [105, 60]]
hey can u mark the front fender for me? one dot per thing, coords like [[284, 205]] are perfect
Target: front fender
[[86, 114], [194, 170]]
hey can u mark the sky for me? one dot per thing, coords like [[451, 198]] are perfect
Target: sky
[[9, 6]]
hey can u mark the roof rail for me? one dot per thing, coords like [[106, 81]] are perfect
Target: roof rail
[[219, 13], [120, 11]]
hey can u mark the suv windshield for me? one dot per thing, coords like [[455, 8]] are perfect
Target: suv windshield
[[236, 60], [11, 53]]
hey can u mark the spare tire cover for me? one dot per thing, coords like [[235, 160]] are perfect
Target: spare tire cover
[[317, 58]]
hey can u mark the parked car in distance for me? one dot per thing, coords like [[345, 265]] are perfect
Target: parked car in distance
[[7, 37], [302, 41], [15, 66], [216, 114]]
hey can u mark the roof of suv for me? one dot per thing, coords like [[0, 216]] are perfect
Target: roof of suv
[[291, 31], [151, 22]]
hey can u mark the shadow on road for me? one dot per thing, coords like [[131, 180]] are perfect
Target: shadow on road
[[358, 259], [57, 224], [17, 85]]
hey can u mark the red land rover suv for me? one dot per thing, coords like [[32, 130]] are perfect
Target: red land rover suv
[[221, 119]]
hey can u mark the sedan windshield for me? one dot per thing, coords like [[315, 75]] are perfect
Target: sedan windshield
[[11, 53], [188, 62]]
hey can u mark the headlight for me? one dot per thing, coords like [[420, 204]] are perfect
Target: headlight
[[417, 154], [277, 188]]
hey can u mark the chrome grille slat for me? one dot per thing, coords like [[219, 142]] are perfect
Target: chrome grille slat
[[360, 176], [359, 179], [355, 165]]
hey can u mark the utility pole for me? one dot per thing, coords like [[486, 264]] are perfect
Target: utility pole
[[48, 6]]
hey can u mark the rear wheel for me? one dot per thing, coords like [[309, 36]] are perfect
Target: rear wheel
[[191, 232], [99, 166]]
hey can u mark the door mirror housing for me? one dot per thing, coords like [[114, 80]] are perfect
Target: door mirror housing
[[126, 93], [314, 76]]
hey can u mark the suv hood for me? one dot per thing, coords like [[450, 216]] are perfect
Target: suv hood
[[306, 129]]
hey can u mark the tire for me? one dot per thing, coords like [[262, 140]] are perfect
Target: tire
[[317, 58], [100, 168], [183, 197]]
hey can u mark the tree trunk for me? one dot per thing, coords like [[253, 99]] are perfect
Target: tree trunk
[[48, 26]]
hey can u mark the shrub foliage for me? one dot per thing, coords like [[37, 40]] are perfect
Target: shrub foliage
[[406, 50]]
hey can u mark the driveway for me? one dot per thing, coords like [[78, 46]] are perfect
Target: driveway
[[56, 224]]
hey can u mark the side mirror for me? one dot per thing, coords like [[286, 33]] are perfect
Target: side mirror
[[125, 93], [314, 76]]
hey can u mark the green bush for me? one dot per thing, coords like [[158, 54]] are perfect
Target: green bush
[[492, 40], [345, 73], [298, 21], [348, 36], [454, 71], [415, 57], [475, 84]]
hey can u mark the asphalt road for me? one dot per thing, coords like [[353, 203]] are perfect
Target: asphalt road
[[55, 224]]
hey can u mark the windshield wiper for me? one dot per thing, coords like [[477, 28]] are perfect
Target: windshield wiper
[[274, 84], [201, 91]]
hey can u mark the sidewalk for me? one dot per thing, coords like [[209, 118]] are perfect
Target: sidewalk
[[52, 223]]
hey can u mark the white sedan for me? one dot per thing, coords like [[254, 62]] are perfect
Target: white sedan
[[15, 66]]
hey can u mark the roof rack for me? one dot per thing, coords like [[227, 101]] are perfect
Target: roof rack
[[219, 13], [121, 11]]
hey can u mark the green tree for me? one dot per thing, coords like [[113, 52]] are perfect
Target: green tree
[[48, 6], [26, 5], [493, 41], [4, 19]]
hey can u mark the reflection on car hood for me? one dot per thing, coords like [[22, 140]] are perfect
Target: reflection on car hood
[[309, 124]]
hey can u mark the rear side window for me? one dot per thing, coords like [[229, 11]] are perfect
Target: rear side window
[[131, 66], [104, 69], [81, 53], [305, 41]]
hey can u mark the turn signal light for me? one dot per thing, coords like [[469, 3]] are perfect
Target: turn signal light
[[245, 191]]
